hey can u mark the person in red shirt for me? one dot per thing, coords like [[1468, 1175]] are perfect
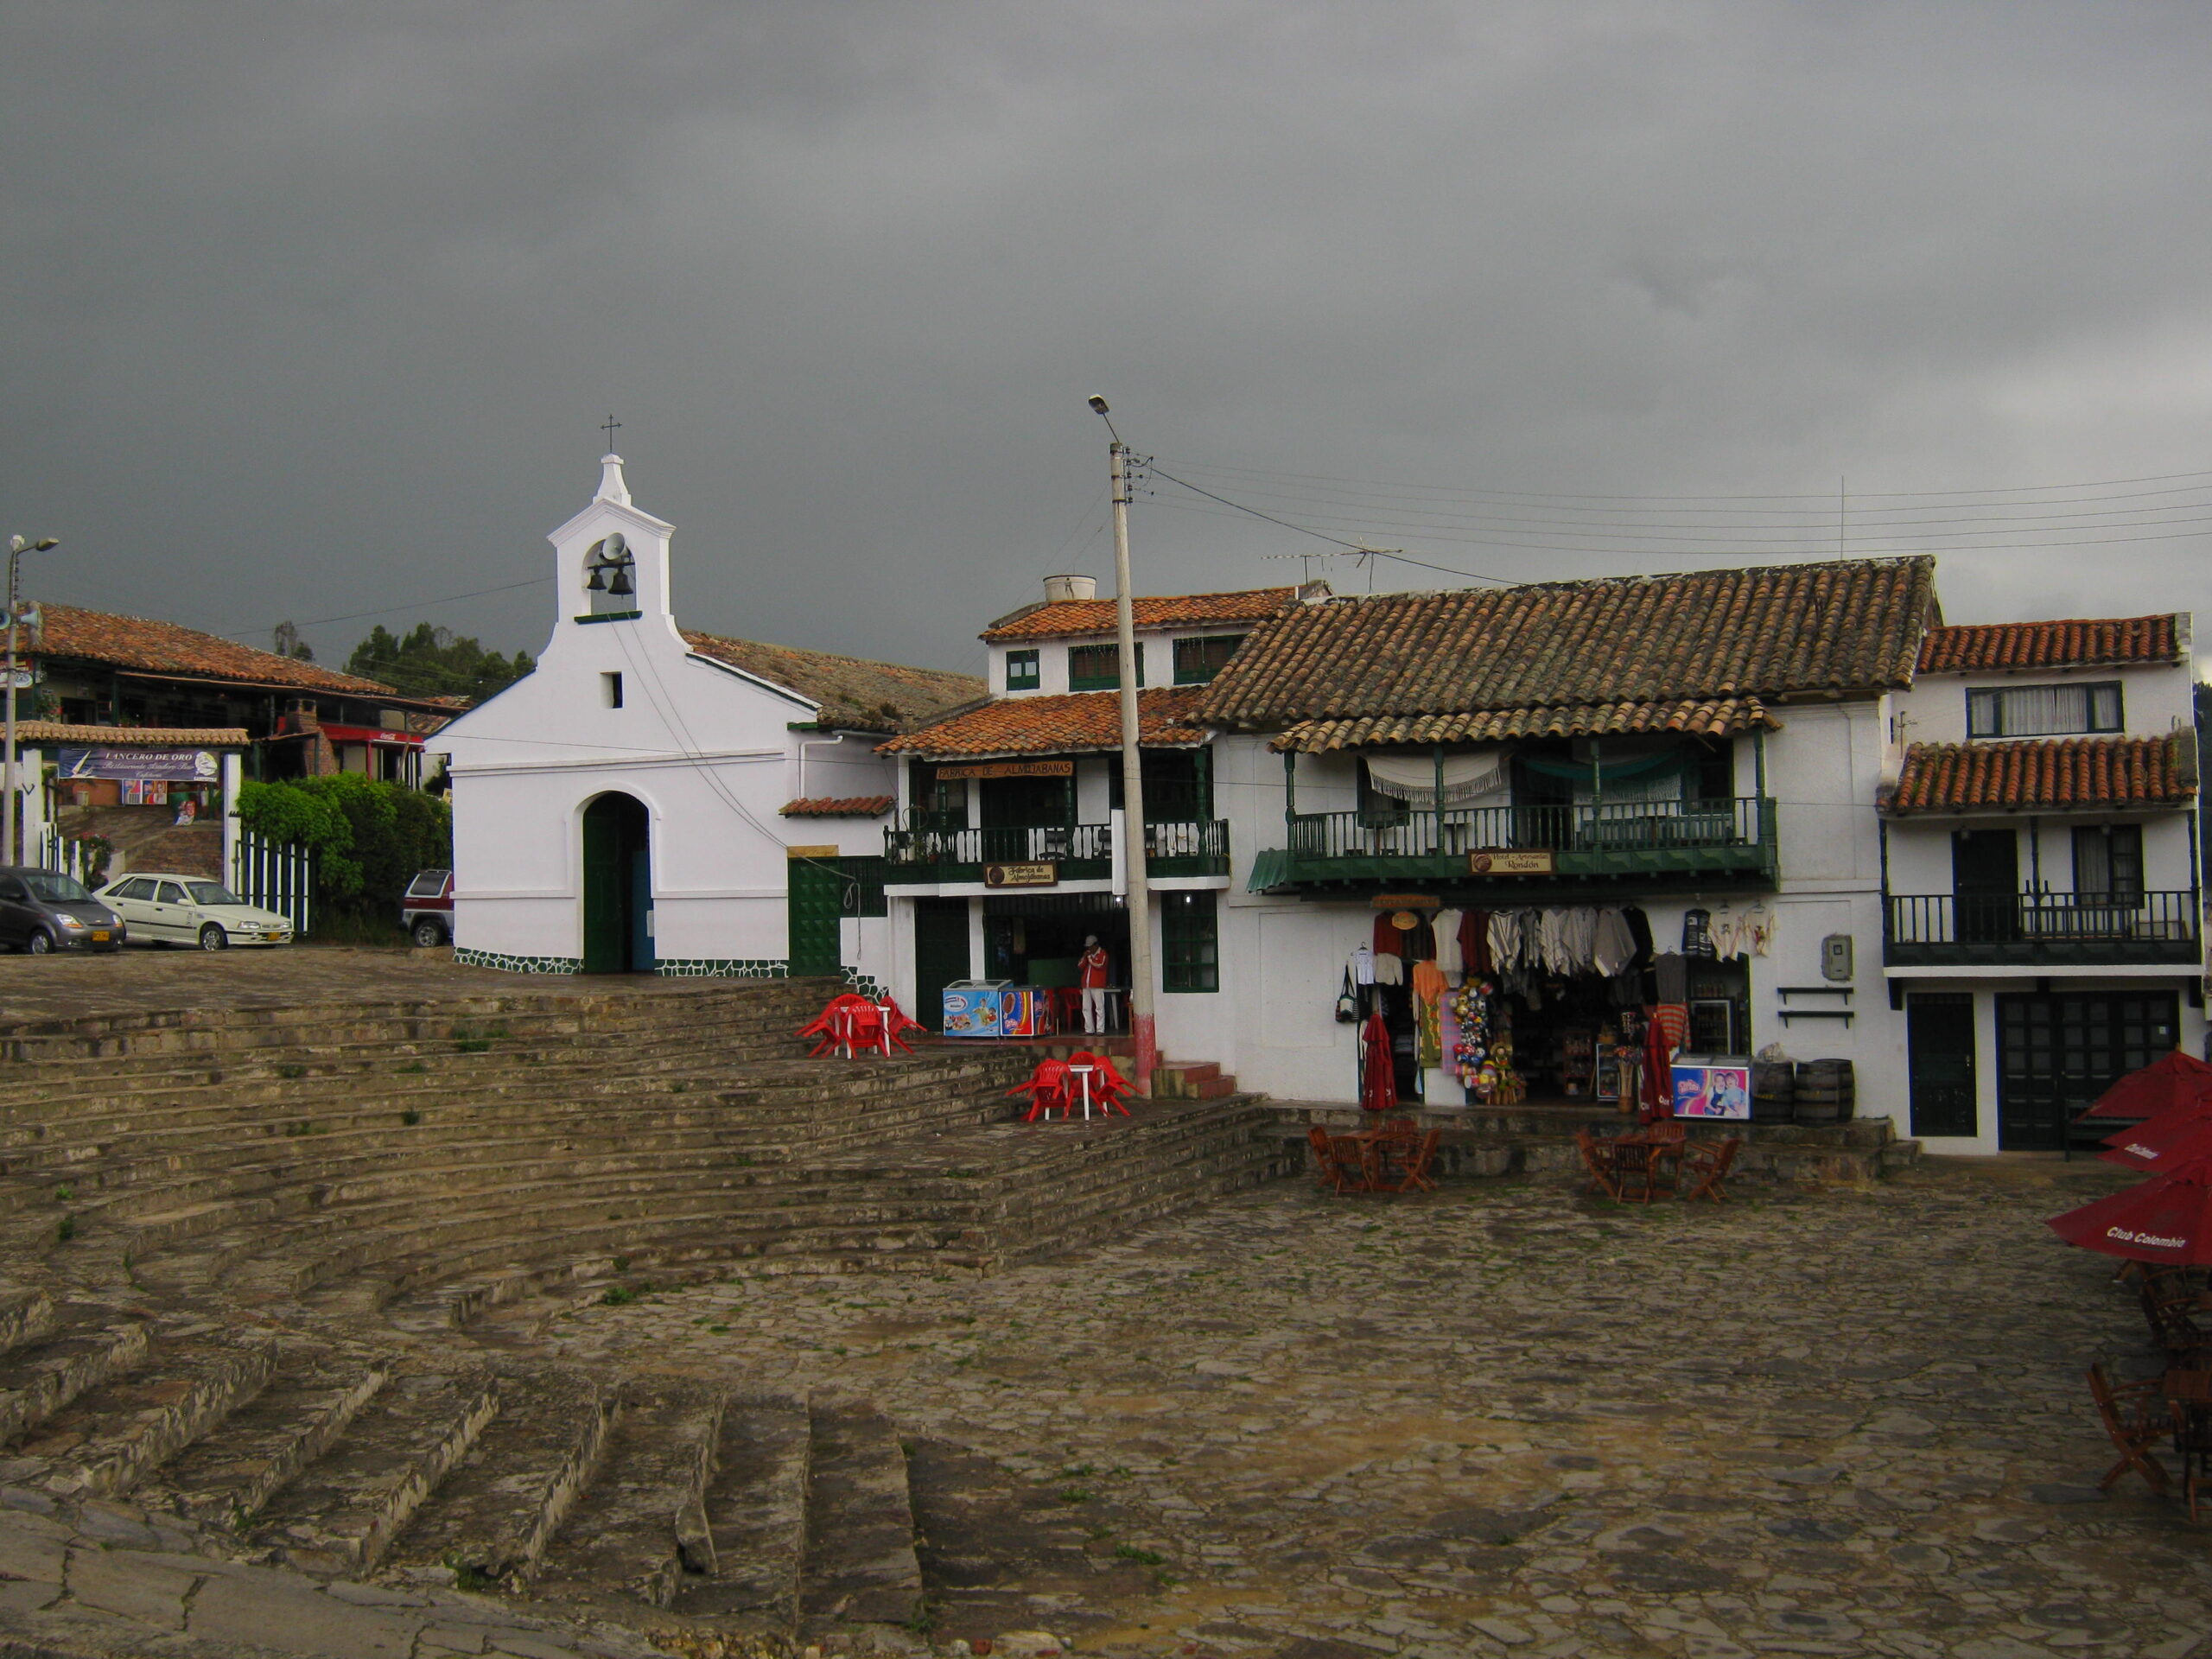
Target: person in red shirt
[[1094, 970]]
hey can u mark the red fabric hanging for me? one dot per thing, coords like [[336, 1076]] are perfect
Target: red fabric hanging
[[1474, 943], [1378, 1076], [1389, 941], [1670, 1024]]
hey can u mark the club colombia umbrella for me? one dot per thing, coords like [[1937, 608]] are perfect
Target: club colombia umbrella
[[2172, 1080], [2166, 1142], [2167, 1219]]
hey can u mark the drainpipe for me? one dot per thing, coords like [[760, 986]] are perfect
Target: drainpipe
[[816, 743], [1289, 791]]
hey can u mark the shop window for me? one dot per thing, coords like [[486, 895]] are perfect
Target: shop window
[[1197, 661], [1190, 946], [1021, 670], [2108, 861], [1098, 668], [2043, 711]]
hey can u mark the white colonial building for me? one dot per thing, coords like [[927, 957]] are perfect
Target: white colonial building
[[651, 800]]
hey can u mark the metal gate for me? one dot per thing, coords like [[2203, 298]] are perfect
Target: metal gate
[[1938, 1047], [276, 875]]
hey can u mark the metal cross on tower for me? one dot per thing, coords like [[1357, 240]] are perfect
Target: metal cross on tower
[[610, 426]]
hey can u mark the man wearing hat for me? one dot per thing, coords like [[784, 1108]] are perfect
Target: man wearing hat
[[1094, 970]]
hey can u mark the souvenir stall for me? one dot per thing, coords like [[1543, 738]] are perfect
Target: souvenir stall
[[1565, 1005]]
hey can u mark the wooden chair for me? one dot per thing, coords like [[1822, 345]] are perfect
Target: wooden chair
[[1414, 1163], [1667, 1139], [2188, 1395], [1704, 1166], [1330, 1165], [1602, 1159], [2137, 1418], [2174, 1324]]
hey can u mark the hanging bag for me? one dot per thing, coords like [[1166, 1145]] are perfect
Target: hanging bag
[[1347, 1004]]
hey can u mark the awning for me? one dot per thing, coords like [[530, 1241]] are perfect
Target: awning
[[1710, 717]]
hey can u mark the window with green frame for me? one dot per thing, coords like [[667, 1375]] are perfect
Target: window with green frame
[[1021, 670], [1197, 661], [863, 886], [1190, 946], [1098, 668]]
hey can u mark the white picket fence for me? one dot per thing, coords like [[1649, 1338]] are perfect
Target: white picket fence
[[64, 852], [276, 875]]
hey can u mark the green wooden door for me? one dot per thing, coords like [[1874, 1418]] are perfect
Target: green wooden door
[[1939, 1047], [814, 897], [940, 954], [618, 886]]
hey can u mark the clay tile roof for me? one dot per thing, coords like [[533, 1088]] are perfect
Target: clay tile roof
[[853, 692], [2046, 774], [839, 806], [1722, 717], [1074, 721], [151, 647], [1836, 627], [133, 737], [2095, 642], [1067, 618]]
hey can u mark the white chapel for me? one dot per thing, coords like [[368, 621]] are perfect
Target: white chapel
[[656, 800]]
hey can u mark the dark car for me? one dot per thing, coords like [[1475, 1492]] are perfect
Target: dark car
[[44, 910], [426, 912]]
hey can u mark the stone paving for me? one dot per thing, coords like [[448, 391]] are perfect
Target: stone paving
[[1498, 1418]]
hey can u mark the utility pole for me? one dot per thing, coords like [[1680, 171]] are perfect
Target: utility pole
[[16, 548], [1142, 1028]]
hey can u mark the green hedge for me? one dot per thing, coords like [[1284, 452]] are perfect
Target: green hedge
[[368, 838]]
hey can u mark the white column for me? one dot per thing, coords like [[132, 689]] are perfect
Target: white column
[[231, 773]]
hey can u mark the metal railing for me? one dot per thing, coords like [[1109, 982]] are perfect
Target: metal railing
[[1608, 827], [1931, 929], [929, 848], [276, 875]]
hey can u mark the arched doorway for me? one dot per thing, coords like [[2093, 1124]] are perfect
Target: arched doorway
[[618, 886]]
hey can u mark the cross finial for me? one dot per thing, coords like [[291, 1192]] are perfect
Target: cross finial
[[610, 426]]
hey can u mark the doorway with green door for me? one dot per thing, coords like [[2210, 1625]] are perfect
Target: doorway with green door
[[618, 885]]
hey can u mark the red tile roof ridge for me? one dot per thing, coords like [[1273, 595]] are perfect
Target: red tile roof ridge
[[2026, 774], [1067, 618], [162, 647], [2059, 642], [1078, 723]]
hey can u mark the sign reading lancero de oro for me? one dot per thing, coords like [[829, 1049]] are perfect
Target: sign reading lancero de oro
[[178, 765], [1021, 875], [1510, 861]]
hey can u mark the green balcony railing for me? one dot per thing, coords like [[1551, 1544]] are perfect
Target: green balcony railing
[[928, 850], [1611, 838], [1942, 930]]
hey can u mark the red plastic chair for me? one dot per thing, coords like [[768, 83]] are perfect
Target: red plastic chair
[[891, 1027], [1108, 1088], [1047, 1088], [848, 1022]]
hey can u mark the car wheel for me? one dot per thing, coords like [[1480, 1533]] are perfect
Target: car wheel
[[212, 938], [40, 943], [428, 934]]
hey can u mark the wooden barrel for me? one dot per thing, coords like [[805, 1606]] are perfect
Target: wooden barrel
[[1773, 1092], [1825, 1091]]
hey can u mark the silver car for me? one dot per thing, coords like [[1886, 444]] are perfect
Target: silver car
[[192, 910]]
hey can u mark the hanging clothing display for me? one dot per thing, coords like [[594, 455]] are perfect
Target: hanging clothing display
[[1388, 941], [1448, 957], [1429, 989], [1697, 933], [1390, 970], [1379, 1078], [1361, 965], [1612, 946], [1419, 941], [1670, 976], [1474, 943]]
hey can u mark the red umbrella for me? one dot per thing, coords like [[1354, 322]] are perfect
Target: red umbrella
[[2167, 1142], [2173, 1080], [1378, 1074], [2168, 1219]]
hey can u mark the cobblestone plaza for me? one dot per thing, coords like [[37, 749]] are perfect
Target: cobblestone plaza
[[1499, 1420]]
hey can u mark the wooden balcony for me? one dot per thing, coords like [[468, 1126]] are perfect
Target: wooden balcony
[[929, 853], [1516, 848], [2043, 930]]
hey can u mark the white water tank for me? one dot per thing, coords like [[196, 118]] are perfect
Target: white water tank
[[1057, 589]]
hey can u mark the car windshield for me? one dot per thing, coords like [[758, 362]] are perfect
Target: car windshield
[[54, 889], [212, 893]]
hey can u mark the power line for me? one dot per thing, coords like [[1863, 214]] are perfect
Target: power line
[[411, 605]]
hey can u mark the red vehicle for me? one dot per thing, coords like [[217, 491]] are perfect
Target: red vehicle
[[427, 910]]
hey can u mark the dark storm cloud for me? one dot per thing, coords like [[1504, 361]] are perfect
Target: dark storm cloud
[[311, 311]]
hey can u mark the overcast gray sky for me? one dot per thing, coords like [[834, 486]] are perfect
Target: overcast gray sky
[[313, 310]]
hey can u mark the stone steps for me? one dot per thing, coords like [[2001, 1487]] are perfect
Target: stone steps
[[859, 1563], [645, 1528]]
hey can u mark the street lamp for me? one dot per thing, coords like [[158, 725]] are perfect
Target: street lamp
[[16, 548]]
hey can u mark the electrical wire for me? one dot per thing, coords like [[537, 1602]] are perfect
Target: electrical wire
[[411, 605]]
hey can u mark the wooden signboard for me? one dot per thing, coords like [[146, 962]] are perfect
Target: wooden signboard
[[1406, 901], [1021, 875], [829, 851], [1010, 769], [1510, 861]]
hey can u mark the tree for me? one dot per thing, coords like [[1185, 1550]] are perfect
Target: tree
[[368, 838], [433, 662], [289, 643]]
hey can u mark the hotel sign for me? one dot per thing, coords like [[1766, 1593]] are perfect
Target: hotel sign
[[1510, 861], [1021, 875]]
